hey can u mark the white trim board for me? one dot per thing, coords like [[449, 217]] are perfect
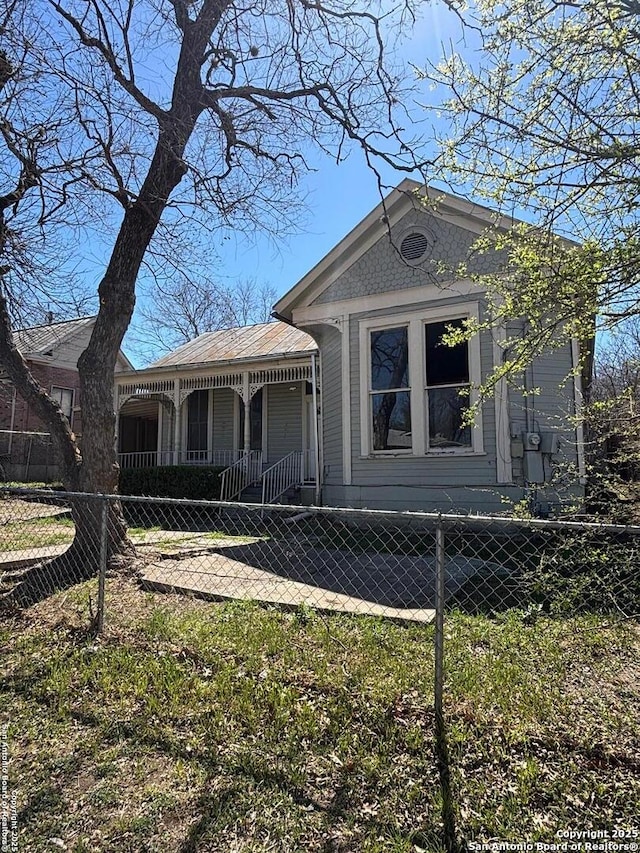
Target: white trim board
[[345, 367], [383, 301], [579, 406], [504, 465]]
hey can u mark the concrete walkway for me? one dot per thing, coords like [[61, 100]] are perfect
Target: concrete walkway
[[394, 586], [236, 581], [286, 573]]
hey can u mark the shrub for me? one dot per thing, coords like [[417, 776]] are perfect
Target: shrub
[[588, 572], [195, 482]]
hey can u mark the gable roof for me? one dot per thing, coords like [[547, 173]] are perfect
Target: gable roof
[[43, 340], [408, 195], [265, 340]]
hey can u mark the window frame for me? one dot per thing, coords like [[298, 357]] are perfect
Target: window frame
[[72, 391], [416, 322], [376, 392]]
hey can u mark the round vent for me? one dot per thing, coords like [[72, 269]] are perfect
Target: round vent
[[414, 246]]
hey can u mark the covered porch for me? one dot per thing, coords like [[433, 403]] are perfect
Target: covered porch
[[265, 415]]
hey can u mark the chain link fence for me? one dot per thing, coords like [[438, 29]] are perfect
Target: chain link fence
[[364, 562], [417, 569], [27, 457]]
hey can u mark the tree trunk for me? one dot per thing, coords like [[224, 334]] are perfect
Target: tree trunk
[[95, 469]]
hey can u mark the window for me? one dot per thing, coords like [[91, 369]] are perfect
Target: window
[[447, 388], [390, 392], [197, 424], [415, 390], [64, 398]]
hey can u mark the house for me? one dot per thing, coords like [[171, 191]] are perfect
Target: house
[[51, 352], [361, 334]]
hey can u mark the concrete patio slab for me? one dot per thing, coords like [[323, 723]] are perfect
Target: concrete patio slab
[[11, 560]]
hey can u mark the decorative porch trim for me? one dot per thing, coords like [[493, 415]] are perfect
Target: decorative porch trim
[[185, 385], [274, 375], [143, 389], [204, 383], [151, 396]]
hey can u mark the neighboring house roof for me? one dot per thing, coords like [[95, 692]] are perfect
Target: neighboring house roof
[[266, 340], [49, 339], [43, 340]]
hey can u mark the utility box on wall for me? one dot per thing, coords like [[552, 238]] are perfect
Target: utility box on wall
[[533, 467], [549, 442], [531, 440]]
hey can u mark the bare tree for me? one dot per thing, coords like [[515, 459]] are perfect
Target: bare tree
[[196, 111], [179, 310], [544, 122]]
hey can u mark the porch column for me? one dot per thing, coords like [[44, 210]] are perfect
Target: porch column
[[246, 399], [316, 438], [159, 433], [176, 423]]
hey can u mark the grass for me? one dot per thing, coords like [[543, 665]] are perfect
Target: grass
[[193, 726], [48, 531], [36, 533]]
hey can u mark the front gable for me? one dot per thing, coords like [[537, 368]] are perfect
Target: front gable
[[371, 259], [383, 269]]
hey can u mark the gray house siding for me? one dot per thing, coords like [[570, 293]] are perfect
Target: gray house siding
[[223, 418], [166, 426], [550, 408], [330, 342], [401, 497]]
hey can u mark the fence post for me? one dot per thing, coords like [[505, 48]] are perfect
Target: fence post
[[440, 732], [439, 631], [102, 571]]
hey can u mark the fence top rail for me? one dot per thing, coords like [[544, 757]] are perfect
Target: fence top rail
[[445, 520]]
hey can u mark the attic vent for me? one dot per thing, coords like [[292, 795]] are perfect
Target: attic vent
[[414, 246]]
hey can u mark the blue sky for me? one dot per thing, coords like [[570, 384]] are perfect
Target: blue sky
[[338, 196]]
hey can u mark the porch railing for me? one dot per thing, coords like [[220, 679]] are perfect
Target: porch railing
[[219, 458], [246, 471], [145, 459], [155, 458], [287, 472]]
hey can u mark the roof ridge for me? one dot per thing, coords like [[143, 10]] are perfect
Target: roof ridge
[[56, 323]]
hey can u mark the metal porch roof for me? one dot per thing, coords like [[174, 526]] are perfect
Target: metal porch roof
[[245, 342]]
